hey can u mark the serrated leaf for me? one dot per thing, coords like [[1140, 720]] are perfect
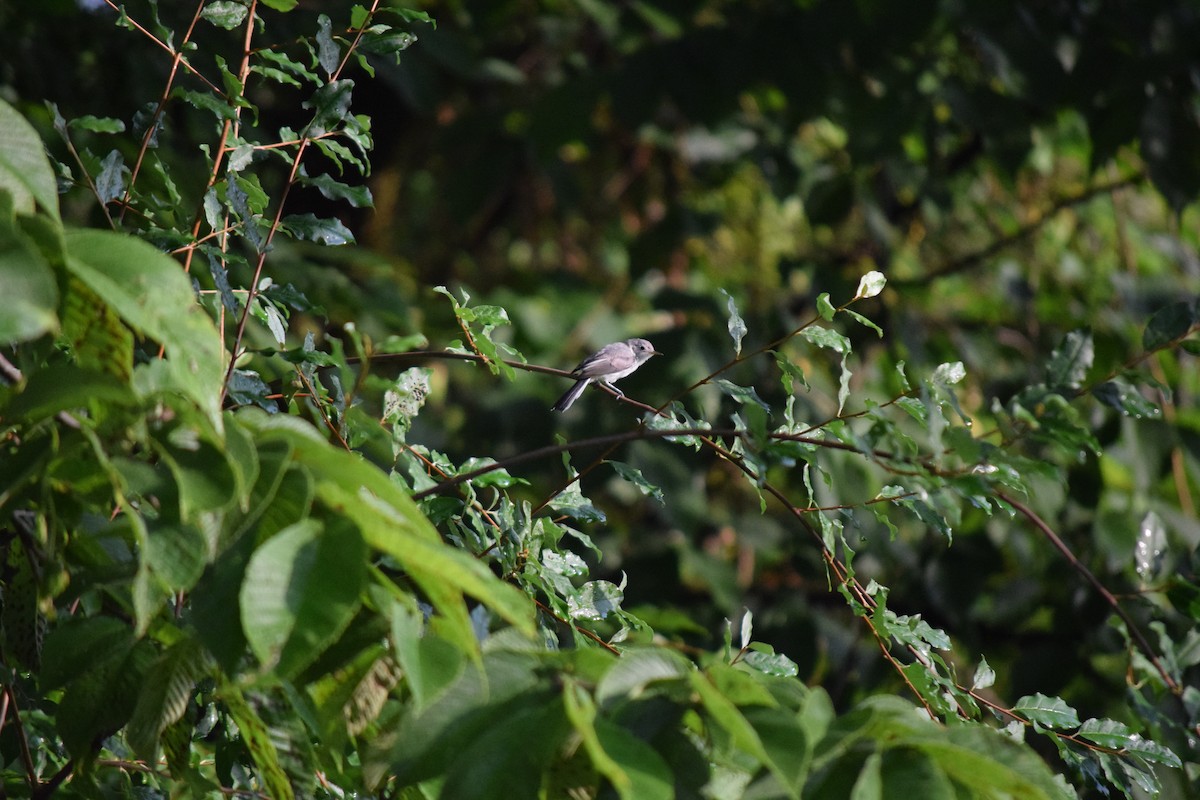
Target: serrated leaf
[[288, 65], [595, 600], [226, 14], [1105, 732], [96, 124], [151, 293], [165, 695], [357, 196], [1051, 712], [1152, 751], [206, 101], [301, 591], [391, 43], [312, 228], [331, 106]]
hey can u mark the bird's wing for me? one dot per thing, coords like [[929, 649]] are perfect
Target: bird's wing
[[605, 361]]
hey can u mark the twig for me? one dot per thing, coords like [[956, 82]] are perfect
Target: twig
[[969, 260], [305, 140], [1082, 569]]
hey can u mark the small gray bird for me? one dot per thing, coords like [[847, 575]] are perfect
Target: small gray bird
[[609, 363]]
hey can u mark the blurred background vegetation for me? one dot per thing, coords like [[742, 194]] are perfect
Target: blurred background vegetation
[[1017, 170]]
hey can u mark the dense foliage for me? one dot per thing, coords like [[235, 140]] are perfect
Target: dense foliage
[[905, 509]]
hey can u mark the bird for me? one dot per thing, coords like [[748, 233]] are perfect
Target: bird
[[610, 363]]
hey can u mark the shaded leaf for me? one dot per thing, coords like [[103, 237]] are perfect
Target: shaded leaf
[[1169, 323]]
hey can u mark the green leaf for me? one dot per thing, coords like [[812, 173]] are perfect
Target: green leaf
[[258, 740], [1105, 732], [327, 50], [300, 592], [391, 43], [206, 101], [204, 476], [391, 522], [176, 554], [633, 768], [1124, 397], [1152, 751], [30, 289], [288, 65], [430, 663], [634, 476], [736, 325], [96, 124], [25, 172], [330, 105], [357, 196], [742, 394], [1070, 362], [227, 14], [860, 319], [595, 600], [949, 374], [827, 338], [165, 695], [869, 783], [1170, 323], [80, 644], [151, 293], [763, 658], [281, 5], [825, 308], [1051, 712], [312, 228], [99, 702], [110, 183]]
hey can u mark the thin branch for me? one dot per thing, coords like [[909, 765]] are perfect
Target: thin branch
[[158, 111], [974, 258], [305, 140], [10, 701], [141, 29], [1090, 577]]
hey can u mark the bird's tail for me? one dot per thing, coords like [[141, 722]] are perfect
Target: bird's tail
[[571, 396]]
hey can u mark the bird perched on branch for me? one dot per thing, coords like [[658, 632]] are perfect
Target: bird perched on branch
[[610, 363]]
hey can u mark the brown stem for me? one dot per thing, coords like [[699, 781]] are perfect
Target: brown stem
[[1090, 577]]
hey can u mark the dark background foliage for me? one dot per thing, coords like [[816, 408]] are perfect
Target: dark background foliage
[[1018, 172]]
